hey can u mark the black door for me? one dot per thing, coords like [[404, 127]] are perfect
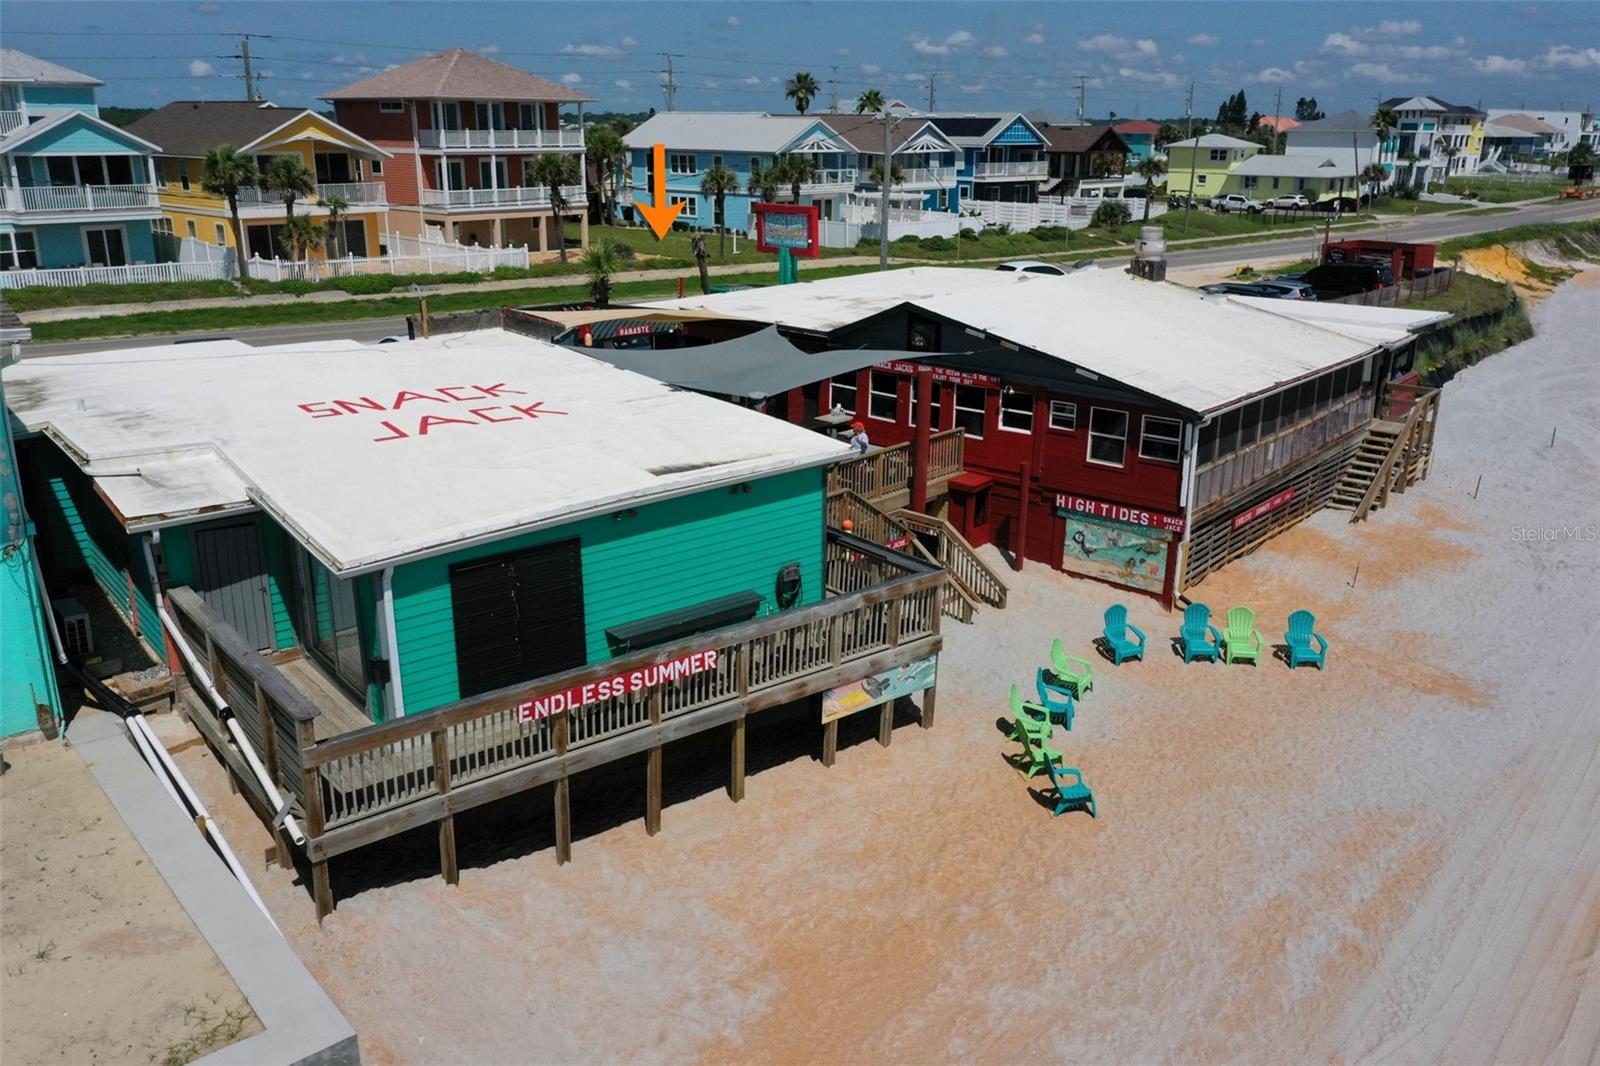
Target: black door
[[518, 616]]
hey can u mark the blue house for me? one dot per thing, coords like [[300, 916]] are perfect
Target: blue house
[[75, 191], [925, 166], [1002, 155]]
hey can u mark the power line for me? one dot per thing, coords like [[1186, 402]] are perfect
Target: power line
[[932, 79], [670, 85], [1083, 82]]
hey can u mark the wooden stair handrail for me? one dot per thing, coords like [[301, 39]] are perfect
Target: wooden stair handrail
[[964, 565], [1401, 446]]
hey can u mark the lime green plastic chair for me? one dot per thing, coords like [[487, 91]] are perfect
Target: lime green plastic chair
[[1241, 640], [1071, 670], [1032, 731]]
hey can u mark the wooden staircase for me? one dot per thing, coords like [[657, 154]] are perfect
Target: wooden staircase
[[1392, 456]]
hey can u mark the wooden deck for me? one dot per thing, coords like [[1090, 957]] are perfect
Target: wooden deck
[[340, 714]]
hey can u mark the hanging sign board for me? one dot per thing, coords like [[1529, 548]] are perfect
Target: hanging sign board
[[624, 684], [879, 688], [1266, 506], [946, 374], [791, 226], [1068, 505]]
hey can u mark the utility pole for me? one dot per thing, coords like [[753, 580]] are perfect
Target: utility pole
[[883, 187], [833, 83], [1277, 122], [1082, 83], [1194, 151], [243, 54], [669, 85], [932, 77]]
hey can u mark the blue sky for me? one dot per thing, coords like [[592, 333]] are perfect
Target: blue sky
[[1136, 58]]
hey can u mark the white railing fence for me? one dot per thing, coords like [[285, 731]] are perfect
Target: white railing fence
[[1074, 212], [170, 248], [515, 196], [80, 197], [136, 274], [406, 255], [847, 233], [500, 138]]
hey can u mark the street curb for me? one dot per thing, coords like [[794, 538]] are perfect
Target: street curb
[[300, 1023]]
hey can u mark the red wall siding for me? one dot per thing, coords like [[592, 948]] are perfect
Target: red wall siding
[[363, 118]]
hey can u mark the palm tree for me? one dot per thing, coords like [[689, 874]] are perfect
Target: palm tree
[[599, 262], [897, 174], [717, 184], [1384, 121], [869, 102], [697, 243], [301, 233], [554, 171], [1374, 175], [797, 170], [1151, 170], [802, 89], [289, 179], [764, 181], [337, 206], [224, 171], [603, 144]]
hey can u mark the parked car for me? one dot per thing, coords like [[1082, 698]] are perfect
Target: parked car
[[1289, 288], [1236, 288], [1136, 192], [1291, 202], [1235, 201], [1333, 280], [1032, 266]]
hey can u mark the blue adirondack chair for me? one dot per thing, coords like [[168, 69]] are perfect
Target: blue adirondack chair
[[1116, 635], [1198, 636], [1300, 635], [1069, 791], [1056, 701]]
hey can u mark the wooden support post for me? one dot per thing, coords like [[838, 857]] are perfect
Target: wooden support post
[[311, 782], [736, 761], [269, 734], [885, 722], [652, 793], [563, 821], [927, 706], [322, 889], [1019, 543], [922, 406], [448, 868], [830, 742]]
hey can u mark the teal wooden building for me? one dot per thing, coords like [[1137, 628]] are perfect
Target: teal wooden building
[[394, 562]]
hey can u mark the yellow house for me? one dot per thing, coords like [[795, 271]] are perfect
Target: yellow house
[[332, 153], [1203, 163]]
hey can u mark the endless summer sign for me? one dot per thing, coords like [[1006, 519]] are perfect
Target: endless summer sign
[[646, 677], [422, 412], [1118, 512]]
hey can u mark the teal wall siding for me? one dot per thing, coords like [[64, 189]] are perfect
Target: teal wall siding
[[27, 670], [79, 136], [1019, 132], [673, 554], [177, 555], [79, 97], [61, 244]]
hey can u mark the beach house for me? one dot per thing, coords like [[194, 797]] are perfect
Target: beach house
[[1002, 155], [1140, 137], [76, 192], [1200, 166], [1435, 140]]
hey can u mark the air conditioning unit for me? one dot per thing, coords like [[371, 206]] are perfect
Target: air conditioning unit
[[73, 623]]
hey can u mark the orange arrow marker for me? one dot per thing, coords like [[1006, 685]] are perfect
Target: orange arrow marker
[[659, 214]]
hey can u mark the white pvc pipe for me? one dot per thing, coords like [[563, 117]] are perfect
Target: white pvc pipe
[[155, 767], [49, 612], [392, 640], [201, 816]]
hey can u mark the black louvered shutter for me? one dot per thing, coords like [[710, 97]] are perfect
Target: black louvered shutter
[[550, 608], [517, 616]]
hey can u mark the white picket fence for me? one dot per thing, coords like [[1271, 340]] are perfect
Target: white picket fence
[[1073, 212], [133, 274], [407, 255], [842, 234]]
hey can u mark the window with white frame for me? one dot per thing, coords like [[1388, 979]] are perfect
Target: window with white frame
[[162, 225], [716, 160], [193, 231], [936, 392], [391, 107], [680, 163], [1161, 439], [842, 393], [377, 168], [222, 234], [690, 205], [183, 174], [1063, 415], [1200, 179], [1300, 184], [969, 406], [1275, 182], [883, 395], [1219, 155], [1249, 181], [18, 250], [1108, 436], [1016, 412]]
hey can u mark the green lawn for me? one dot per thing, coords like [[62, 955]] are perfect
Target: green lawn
[[1468, 295], [1500, 189], [1577, 239], [1393, 205]]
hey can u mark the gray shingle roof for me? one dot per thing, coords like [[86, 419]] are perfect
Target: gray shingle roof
[[20, 66], [1343, 122], [457, 74], [188, 127]]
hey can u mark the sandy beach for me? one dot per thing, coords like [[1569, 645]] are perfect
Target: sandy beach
[[1394, 860]]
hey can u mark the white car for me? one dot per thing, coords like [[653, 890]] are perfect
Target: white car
[[1234, 201], [1033, 266], [1292, 201]]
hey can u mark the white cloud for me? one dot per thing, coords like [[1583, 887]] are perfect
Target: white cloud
[[1271, 76], [1257, 42], [1034, 38], [1564, 55], [754, 79], [1145, 46], [1205, 40], [590, 50], [710, 83], [1417, 51], [1103, 42], [307, 75], [206, 9], [1163, 78], [629, 42], [924, 45], [623, 83], [1397, 28], [976, 88], [871, 68], [1500, 65], [841, 51], [731, 20], [1375, 72], [571, 78], [995, 51], [959, 39], [1344, 44], [199, 68]]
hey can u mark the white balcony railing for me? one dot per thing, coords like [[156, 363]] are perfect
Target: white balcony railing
[[9, 120], [81, 197], [500, 138], [523, 196], [354, 192], [928, 176], [1014, 168], [823, 178]]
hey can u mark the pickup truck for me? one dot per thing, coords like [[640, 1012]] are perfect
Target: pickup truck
[[1236, 202]]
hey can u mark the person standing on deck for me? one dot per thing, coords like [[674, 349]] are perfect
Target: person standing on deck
[[858, 438]]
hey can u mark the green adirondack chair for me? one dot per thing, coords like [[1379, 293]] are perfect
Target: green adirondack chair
[[1030, 717], [1070, 792], [1241, 640], [1301, 634], [1071, 670], [1034, 736]]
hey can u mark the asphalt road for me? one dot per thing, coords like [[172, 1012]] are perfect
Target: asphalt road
[[1427, 228]]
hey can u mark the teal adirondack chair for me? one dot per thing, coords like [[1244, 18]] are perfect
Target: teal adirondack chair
[[1198, 636], [1070, 793], [1116, 635], [1071, 670], [1033, 733], [1056, 701], [1300, 635], [1241, 640]]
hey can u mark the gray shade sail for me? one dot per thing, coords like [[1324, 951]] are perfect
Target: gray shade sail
[[754, 366]]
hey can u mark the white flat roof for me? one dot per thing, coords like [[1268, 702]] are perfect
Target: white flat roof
[[372, 454], [1380, 325], [828, 304]]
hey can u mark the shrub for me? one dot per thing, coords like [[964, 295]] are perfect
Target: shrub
[[1003, 229], [623, 252], [363, 284], [1050, 233], [968, 233], [1111, 214], [937, 244], [297, 286]]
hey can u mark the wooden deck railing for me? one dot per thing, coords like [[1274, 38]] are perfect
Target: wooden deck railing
[[1411, 455], [886, 471], [846, 510], [1239, 469], [958, 557]]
